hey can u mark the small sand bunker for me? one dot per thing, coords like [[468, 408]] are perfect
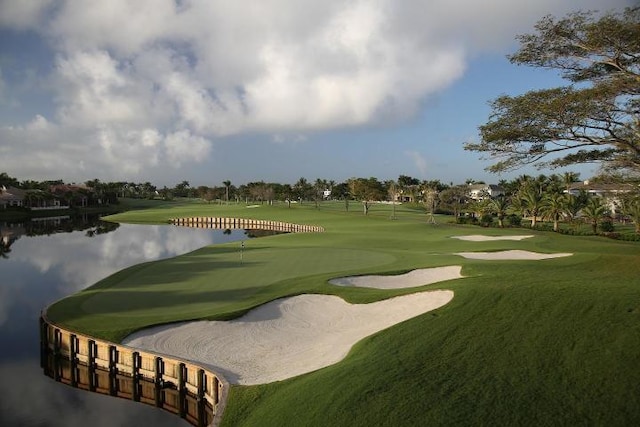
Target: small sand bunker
[[511, 255], [286, 337], [412, 279], [482, 238]]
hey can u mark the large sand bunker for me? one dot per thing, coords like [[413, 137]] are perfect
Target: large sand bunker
[[412, 279], [511, 255], [482, 238], [286, 337]]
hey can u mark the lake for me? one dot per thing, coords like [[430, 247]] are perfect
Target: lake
[[42, 262]]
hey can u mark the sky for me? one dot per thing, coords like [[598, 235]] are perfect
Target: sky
[[213, 90]]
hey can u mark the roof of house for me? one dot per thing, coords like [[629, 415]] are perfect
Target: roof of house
[[480, 187], [11, 193], [601, 187], [65, 188]]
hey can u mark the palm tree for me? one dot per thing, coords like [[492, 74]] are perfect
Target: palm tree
[[480, 208], [594, 212], [392, 190], [302, 189], [532, 200], [227, 184], [319, 186], [541, 182], [553, 207], [569, 178], [554, 183], [631, 207], [500, 206], [430, 199]]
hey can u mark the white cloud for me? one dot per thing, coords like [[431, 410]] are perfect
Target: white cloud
[[22, 14], [152, 82], [182, 147]]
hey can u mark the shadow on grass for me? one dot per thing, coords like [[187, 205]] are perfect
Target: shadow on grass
[[126, 307]]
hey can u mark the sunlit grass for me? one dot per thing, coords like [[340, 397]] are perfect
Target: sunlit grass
[[554, 342]]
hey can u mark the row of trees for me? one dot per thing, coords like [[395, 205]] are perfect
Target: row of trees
[[545, 197], [544, 201]]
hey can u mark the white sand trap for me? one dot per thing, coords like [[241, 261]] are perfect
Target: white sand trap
[[481, 238], [511, 255], [286, 337], [412, 279]]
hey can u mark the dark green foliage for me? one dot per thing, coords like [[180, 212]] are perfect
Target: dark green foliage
[[607, 226], [514, 220], [486, 220], [593, 122]]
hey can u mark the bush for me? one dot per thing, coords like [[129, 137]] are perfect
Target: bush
[[606, 227], [486, 220], [541, 226], [466, 220], [513, 220]]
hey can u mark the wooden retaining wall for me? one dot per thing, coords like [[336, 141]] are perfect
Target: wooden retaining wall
[[175, 385], [245, 223]]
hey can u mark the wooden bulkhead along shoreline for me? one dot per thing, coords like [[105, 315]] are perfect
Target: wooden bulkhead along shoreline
[[173, 384], [179, 386], [245, 223]]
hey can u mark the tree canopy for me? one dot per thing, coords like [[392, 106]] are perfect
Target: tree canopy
[[595, 118]]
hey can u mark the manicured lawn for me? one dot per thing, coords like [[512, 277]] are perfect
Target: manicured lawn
[[554, 342]]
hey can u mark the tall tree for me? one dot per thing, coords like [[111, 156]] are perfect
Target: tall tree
[[182, 189], [454, 198], [532, 201], [302, 189], [631, 207], [366, 191], [227, 184], [392, 191], [319, 187], [594, 119], [407, 181], [8, 181], [553, 207], [594, 211], [430, 199], [500, 206]]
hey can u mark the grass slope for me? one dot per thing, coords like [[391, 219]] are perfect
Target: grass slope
[[552, 342]]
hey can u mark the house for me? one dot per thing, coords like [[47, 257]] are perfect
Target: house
[[11, 197], [609, 192], [72, 194], [485, 191]]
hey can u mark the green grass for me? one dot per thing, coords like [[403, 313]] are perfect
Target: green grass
[[553, 342]]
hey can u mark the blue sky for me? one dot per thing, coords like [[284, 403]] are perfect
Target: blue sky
[[204, 91]]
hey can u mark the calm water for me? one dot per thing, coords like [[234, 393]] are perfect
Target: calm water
[[38, 270]]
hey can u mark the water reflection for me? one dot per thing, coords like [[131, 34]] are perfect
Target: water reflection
[[41, 269], [10, 232]]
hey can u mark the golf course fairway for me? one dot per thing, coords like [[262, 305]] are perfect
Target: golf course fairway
[[523, 341]]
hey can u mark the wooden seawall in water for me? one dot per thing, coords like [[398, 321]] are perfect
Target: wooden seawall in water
[[178, 386], [245, 223]]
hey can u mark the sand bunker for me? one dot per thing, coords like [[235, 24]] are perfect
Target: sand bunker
[[481, 238], [511, 255], [412, 279], [286, 337]]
